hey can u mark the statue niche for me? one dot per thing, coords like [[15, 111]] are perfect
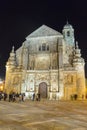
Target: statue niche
[[32, 65], [15, 80], [69, 79]]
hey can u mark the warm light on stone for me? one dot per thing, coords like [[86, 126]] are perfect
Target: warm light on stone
[[48, 63]]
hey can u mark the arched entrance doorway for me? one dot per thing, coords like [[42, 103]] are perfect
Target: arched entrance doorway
[[43, 90]]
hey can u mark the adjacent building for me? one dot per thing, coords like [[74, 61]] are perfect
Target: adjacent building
[[48, 62]]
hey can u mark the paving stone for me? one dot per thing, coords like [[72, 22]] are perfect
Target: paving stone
[[80, 128], [50, 115]]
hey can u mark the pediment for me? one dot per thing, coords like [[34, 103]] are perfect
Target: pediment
[[42, 32]]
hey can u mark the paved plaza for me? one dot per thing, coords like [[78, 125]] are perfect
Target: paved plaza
[[43, 115]]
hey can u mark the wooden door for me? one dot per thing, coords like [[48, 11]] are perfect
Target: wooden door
[[43, 90]]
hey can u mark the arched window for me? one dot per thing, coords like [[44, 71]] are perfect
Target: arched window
[[68, 33], [72, 79], [43, 47]]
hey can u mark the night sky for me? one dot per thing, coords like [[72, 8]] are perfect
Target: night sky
[[19, 18]]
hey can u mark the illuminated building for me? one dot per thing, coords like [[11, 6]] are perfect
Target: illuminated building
[[49, 63]]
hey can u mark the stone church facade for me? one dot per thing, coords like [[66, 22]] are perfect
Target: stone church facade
[[49, 63]]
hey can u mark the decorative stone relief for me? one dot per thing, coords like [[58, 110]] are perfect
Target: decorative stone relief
[[69, 79], [42, 77], [54, 78], [54, 87]]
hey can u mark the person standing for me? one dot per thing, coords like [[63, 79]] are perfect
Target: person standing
[[38, 96], [33, 97]]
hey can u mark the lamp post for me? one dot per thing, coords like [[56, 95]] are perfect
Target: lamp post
[[1, 85]]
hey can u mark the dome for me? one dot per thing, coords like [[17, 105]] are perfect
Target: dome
[[68, 26]]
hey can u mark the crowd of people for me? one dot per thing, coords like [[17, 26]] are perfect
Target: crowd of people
[[36, 97], [12, 97], [15, 97], [3, 96]]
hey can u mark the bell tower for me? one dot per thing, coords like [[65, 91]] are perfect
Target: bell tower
[[68, 34]]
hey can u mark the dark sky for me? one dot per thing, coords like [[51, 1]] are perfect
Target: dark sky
[[19, 18]]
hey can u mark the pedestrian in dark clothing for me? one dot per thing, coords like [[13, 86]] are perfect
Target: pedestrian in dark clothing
[[23, 97], [10, 97], [38, 96], [33, 97], [0, 96], [5, 96], [13, 97]]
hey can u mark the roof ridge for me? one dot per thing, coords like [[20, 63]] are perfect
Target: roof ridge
[[43, 30]]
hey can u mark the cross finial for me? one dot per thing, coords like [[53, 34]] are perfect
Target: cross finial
[[67, 22], [77, 45], [13, 49]]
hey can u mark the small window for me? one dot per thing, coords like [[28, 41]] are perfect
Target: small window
[[68, 33], [47, 48], [43, 47], [39, 48]]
